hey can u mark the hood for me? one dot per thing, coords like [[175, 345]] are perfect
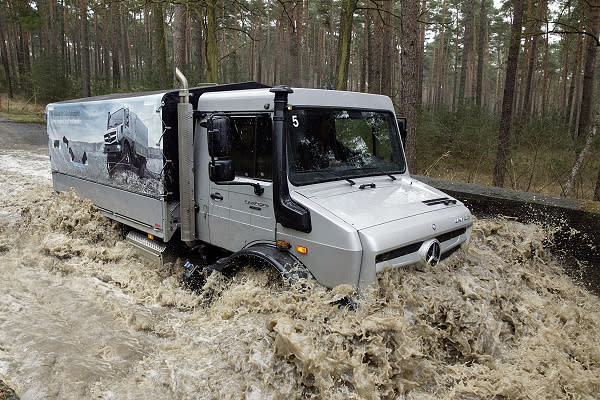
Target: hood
[[388, 201]]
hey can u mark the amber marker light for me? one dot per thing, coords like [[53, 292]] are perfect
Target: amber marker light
[[301, 249], [150, 236], [283, 245]]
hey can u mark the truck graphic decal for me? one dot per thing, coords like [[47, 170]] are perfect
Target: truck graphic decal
[[108, 142]]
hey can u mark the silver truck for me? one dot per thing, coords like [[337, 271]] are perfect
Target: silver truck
[[304, 179], [125, 141]]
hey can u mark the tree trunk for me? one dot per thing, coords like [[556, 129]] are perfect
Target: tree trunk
[[526, 112], [125, 46], [455, 86], [387, 60], [161, 45], [343, 57], [570, 115], [211, 52], [295, 29], [178, 41], [420, 51], [439, 65], [365, 52], [509, 91], [546, 55], [597, 190], [580, 158], [85, 51], [5, 54], [480, 49], [467, 43], [106, 45], [114, 23], [376, 52], [590, 66], [409, 83]]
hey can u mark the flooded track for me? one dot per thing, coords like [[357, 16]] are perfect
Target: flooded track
[[81, 316]]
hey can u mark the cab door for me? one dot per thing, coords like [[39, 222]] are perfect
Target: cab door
[[242, 212]]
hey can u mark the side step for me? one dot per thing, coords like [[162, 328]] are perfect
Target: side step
[[152, 250]]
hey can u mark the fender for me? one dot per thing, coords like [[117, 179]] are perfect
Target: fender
[[290, 268]]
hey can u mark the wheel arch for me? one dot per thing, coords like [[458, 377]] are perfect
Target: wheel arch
[[289, 267]]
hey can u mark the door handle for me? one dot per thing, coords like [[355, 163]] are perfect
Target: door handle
[[216, 196]]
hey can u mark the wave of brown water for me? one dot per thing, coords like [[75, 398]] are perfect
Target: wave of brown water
[[81, 316]]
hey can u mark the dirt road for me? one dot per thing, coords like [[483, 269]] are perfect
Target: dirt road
[[22, 136], [82, 317]]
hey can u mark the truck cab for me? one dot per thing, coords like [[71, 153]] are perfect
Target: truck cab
[[339, 164], [125, 141]]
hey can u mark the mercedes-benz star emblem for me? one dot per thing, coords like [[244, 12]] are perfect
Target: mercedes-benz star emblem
[[433, 253]]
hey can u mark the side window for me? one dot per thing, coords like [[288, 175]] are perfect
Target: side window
[[252, 150]]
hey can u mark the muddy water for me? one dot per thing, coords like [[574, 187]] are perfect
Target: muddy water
[[82, 317]]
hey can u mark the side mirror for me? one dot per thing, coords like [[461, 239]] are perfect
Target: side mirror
[[221, 171], [402, 127], [219, 136]]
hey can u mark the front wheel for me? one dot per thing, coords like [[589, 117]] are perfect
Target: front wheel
[[127, 154], [141, 166]]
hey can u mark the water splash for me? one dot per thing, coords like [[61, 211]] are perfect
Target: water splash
[[84, 317]]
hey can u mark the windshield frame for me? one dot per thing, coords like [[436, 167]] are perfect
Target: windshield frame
[[396, 142], [110, 118]]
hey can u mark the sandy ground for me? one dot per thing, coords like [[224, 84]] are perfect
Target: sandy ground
[[81, 316]]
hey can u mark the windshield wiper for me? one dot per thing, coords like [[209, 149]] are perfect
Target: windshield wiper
[[392, 176]]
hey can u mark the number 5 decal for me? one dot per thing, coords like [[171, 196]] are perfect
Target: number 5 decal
[[295, 121]]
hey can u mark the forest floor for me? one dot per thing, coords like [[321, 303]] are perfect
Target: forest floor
[[21, 110]]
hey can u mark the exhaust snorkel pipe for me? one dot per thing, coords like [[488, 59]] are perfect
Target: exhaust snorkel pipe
[[287, 212], [185, 145]]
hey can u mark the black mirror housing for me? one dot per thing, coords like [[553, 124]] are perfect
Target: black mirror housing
[[221, 171], [219, 136]]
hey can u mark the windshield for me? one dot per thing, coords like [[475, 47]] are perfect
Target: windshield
[[331, 144], [116, 118]]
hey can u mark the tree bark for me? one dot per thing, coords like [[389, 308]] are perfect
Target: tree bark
[[526, 112], [409, 82], [211, 52], [467, 43], [597, 190], [387, 60], [480, 49], [509, 90], [5, 54], [343, 57], [106, 44], [590, 66], [85, 51], [114, 22], [178, 41], [420, 51], [580, 158], [161, 45], [125, 46], [376, 52]]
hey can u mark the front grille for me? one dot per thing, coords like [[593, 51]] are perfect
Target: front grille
[[110, 138], [451, 235], [413, 248], [399, 252]]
